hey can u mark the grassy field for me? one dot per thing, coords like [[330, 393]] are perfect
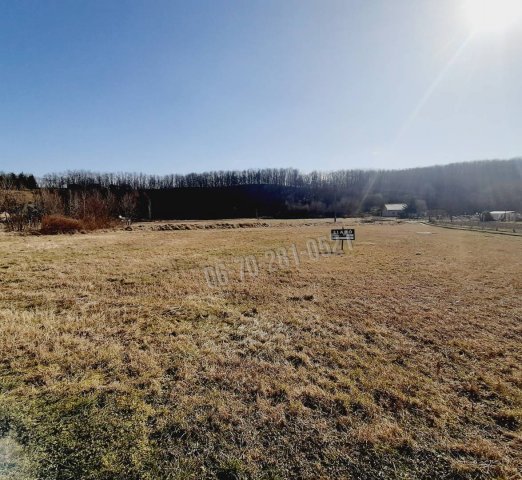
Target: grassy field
[[400, 359]]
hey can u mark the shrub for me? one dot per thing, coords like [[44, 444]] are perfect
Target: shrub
[[53, 224]]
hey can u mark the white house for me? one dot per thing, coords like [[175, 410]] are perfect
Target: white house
[[504, 215], [393, 209]]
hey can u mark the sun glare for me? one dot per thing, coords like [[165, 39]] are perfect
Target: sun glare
[[492, 15]]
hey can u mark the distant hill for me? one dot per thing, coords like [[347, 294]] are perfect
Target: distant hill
[[456, 189]]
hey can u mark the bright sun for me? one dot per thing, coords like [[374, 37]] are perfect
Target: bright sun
[[492, 15]]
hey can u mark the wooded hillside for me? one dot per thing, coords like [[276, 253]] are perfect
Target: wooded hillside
[[455, 189]]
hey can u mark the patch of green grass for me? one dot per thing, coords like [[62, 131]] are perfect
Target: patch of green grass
[[102, 435]]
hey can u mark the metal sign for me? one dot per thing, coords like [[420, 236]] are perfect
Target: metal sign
[[343, 234]]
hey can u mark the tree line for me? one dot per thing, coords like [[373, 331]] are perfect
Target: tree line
[[461, 188], [286, 177], [456, 188], [17, 181]]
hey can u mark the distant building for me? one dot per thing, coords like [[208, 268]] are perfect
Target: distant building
[[504, 215], [393, 209]]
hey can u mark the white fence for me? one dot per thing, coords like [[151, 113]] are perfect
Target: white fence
[[472, 224]]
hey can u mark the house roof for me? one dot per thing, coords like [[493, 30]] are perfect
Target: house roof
[[501, 212], [395, 206]]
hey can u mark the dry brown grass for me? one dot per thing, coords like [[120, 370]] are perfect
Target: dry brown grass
[[21, 196], [399, 359]]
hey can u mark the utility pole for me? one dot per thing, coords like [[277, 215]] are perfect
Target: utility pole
[[335, 204]]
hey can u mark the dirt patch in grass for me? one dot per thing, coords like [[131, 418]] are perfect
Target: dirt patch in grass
[[13, 462]]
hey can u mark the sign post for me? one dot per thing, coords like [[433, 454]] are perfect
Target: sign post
[[343, 234]]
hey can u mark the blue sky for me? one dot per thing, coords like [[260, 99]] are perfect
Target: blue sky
[[168, 86]]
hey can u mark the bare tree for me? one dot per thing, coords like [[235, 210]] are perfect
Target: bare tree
[[129, 204], [52, 202]]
